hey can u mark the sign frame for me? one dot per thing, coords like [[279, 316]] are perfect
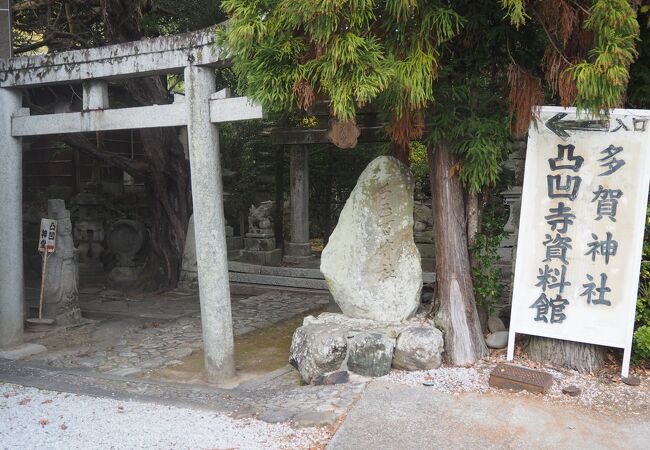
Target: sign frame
[[570, 127]]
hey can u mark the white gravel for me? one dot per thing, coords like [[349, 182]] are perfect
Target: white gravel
[[32, 418], [602, 392]]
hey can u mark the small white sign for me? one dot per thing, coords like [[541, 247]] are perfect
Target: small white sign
[[47, 236], [581, 228]]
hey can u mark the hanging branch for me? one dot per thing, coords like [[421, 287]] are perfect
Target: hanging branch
[[136, 169]]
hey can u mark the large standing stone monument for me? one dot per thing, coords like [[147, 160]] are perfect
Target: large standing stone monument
[[371, 264], [61, 295]]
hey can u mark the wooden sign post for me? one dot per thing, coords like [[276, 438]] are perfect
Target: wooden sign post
[[46, 245]]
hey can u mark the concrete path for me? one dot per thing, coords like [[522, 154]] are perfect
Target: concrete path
[[394, 416]]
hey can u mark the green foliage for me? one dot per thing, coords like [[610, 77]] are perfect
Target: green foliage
[[642, 343], [419, 161], [516, 11], [602, 80], [638, 93], [487, 280]]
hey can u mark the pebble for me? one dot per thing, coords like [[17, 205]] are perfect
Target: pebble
[[571, 390], [631, 380]]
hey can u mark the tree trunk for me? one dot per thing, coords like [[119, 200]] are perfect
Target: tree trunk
[[584, 358], [457, 316], [169, 174]]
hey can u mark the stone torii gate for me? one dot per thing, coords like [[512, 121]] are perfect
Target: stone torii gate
[[194, 54]]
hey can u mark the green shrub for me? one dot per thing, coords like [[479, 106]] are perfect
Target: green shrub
[[642, 342]]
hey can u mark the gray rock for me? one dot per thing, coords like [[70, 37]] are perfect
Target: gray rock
[[497, 340], [418, 348], [370, 354], [22, 351], [495, 324], [316, 350], [371, 264], [333, 378]]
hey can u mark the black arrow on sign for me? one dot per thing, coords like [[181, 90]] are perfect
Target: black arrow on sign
[[560, 127]]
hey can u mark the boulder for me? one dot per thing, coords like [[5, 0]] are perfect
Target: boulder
[[497, 340], [316, 350], [334, 342], [495, 324], [371, 264], [370, 354], [418, 348]]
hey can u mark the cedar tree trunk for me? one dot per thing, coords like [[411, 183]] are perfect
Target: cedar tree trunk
[[457, 316], [584, 358], [168, 181]]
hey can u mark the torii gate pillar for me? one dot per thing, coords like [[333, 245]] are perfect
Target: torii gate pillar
[[209, 225], [11, 224]]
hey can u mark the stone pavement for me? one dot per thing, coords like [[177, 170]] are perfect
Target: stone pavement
[[131, 342], [277, 397], [396, 416]]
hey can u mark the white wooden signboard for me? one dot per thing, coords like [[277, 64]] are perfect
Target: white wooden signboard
[[47, 236], [581, 229]]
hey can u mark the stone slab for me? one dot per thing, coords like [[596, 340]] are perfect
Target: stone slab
[[426, 250], [297, 260], [298, 249], [22, 351], [393, 416], [428, 265], [260, 235], [294, 272], [259, 244], [265, 258], [506, 376], [278, 281], [234, 243]]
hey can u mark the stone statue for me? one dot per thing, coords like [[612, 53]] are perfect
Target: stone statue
[[61, 294], [260, 219]]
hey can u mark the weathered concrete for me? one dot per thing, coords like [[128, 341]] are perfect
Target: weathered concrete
[[5, 29], [96, 118], [11, 224], [391, 416], [95, 95], [209, 224], [233, 109], [101, 120], [161, 55], [298, 246]]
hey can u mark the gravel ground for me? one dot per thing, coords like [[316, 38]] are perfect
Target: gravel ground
[[32, 418], [602, 392]]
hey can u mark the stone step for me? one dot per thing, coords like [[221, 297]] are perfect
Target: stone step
[[292, 276], [253, 278]]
